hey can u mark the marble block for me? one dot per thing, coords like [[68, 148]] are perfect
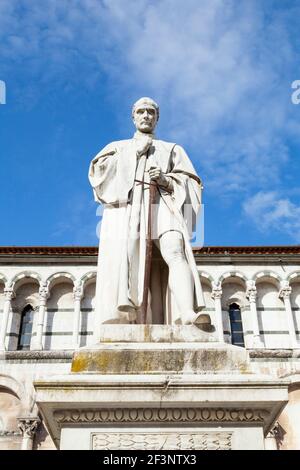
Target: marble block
[[160, 387]]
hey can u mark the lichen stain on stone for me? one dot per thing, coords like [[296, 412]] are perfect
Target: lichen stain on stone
[[213, 360], [101, 361], [147, 333], [208, 360], [127, 361], [80, 362], [172, 336], [108, 340], [244, 368]]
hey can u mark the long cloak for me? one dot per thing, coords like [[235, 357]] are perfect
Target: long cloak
[[121, 262]]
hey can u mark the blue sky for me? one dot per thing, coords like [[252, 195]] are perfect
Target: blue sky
[[221, 71]]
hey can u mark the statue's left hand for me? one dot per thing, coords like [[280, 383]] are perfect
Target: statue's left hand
[[157, 175]]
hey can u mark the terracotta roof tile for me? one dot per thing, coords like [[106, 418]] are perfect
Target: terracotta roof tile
[[93, 250]]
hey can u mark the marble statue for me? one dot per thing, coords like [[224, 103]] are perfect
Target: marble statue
[[122, 175]]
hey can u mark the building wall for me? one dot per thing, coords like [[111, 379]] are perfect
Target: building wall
[[277, 353]]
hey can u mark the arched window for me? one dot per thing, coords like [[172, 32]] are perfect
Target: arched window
[[25, 328], [236, 325]]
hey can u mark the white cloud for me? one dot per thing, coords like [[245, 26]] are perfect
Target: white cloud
[[271, 211], [220, 69]]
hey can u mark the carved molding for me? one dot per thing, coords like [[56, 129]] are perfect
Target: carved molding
[[251, 293], [9, 293], [67, 355], [274, 431], [277, 433], [274, 353], [43, 293], [39, 355], [78, 293], [217, 291], [10, 433], [28, 426], [285, 292], [159, 415], [163, 440]]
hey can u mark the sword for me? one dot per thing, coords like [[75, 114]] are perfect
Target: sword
[[148, 257], [154, 184]]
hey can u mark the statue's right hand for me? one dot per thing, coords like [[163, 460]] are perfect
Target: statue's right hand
[[143, 145]]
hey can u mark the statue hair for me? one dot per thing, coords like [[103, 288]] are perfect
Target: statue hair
[[146, 100]]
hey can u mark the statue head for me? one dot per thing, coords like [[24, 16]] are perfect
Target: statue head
[[145, 114]]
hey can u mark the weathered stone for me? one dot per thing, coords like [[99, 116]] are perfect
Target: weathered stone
[[157, 358], [110, 333]]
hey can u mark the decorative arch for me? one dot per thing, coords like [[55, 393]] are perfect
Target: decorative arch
[[240, 301], [236, 277], [20, 280], [13, 386], [266, 274], [293, 276], [23, 303], [207, 276], [87, 277], [269, 305], [61, 275], [25, 275], [230, 274], [3, 278]]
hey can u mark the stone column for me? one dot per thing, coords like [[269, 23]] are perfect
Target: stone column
[[216, 295], [251, 295], [43, 296], [285, 292], [9, 295], [77, 295], [28, 427]]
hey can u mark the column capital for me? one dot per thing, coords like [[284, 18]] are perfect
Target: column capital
[[9, 293], [43, 292], [216, 291], [251, 292], [285, 290], [277, 433], [275, 430], [78, 292], [28, 425]]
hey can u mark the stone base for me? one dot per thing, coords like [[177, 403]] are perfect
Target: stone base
[[145, 387], [162, 438], [155, 334], [156, 349], [152, 358]]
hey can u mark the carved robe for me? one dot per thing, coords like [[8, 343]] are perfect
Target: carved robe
[[116, 174]]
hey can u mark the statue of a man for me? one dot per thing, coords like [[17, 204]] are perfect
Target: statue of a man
[[121, 176]]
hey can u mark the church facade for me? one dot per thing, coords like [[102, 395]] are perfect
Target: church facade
[[47, 310]]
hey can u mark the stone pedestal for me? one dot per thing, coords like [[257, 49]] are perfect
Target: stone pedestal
[[160, 387]]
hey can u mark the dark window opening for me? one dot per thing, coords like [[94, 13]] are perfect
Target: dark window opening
[[26, 328], [236, 325]]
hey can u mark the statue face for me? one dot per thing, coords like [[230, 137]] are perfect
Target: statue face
[[145, 118]]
